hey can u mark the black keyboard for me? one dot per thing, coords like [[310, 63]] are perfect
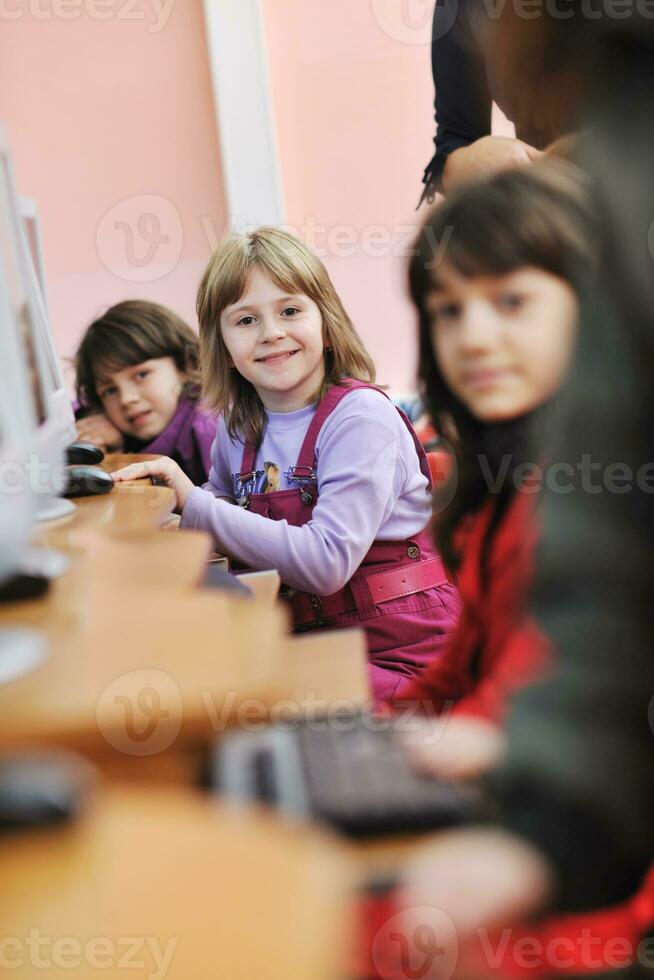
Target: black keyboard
[[349, 772]]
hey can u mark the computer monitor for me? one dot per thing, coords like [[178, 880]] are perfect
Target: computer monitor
[[21, 650], [29, 212], [16, 499], [52, 414]]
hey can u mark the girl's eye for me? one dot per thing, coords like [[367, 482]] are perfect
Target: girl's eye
[[142, 374], [106, 392], [448, 311], [291, 310], [245, 321], [511, 301]]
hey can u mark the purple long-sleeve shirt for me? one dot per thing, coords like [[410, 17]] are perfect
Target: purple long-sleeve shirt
[[370, 488]]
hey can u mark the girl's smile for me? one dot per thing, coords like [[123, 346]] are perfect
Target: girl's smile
[[275, 341], [280, 358], [140, 418]]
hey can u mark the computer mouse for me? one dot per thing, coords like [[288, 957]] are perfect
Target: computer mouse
[[85, 481], [39, 790], [86, 453]]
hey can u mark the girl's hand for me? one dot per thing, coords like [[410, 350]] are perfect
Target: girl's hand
[[484, 157], [163, 470], [98, 430], [458, 747], [477, 880]]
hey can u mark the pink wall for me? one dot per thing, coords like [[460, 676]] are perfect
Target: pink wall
[[103, 112], [353, 98], [112, 124]]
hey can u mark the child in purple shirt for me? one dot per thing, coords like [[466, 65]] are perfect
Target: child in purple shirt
[[138, 387], [330, 483]]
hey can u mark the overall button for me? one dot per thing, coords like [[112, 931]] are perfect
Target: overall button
[[413, 551], [316, 604]]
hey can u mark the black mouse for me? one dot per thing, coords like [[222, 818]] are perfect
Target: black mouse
[[85, 481], [39, 790], [83, 453]]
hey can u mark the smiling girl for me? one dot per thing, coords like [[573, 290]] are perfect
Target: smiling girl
[[347, 528], [138, 383]]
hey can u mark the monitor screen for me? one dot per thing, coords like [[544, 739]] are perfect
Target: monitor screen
[[52, 419], [20, 311], [52, 404], [17, 396], [29, 213]]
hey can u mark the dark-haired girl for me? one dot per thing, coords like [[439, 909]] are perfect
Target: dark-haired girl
[[138, 383], [497, 332], [498, 325]]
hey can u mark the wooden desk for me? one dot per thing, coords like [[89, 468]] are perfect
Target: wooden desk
[[135, 646], [116, 461], [222, 894], [128, 508], [325, 667], [143, 665]]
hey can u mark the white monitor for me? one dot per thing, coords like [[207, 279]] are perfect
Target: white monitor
[[53, 422], [16, 499], [21, 650], [29, 212]]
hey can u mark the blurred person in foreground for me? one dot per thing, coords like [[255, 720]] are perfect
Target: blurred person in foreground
[[577, 787]]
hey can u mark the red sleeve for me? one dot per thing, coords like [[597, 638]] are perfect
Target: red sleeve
[[523, 659]]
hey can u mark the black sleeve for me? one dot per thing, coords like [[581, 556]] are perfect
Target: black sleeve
[[579, 780], [463, 101]]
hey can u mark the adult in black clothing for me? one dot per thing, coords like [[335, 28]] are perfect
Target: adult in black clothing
[[468, 78], [578, 785]]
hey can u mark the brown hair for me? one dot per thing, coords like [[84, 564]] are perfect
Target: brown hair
[[132, 332], [294, 268]]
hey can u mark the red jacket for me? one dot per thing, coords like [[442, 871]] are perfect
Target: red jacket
[[496, 647], [495, 650]]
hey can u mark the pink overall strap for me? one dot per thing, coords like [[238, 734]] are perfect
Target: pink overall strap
[[308, 451], [307, 456], [420, 449], [247, 463]]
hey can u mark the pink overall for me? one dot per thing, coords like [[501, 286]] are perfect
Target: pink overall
[[400, 593]]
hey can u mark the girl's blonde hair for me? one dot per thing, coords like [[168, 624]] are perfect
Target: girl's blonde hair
[[295, 269]]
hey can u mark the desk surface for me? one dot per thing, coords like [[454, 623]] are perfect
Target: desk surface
[[128, 628], [203, 891], [116, 461], [142, 661], [130, 631]]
